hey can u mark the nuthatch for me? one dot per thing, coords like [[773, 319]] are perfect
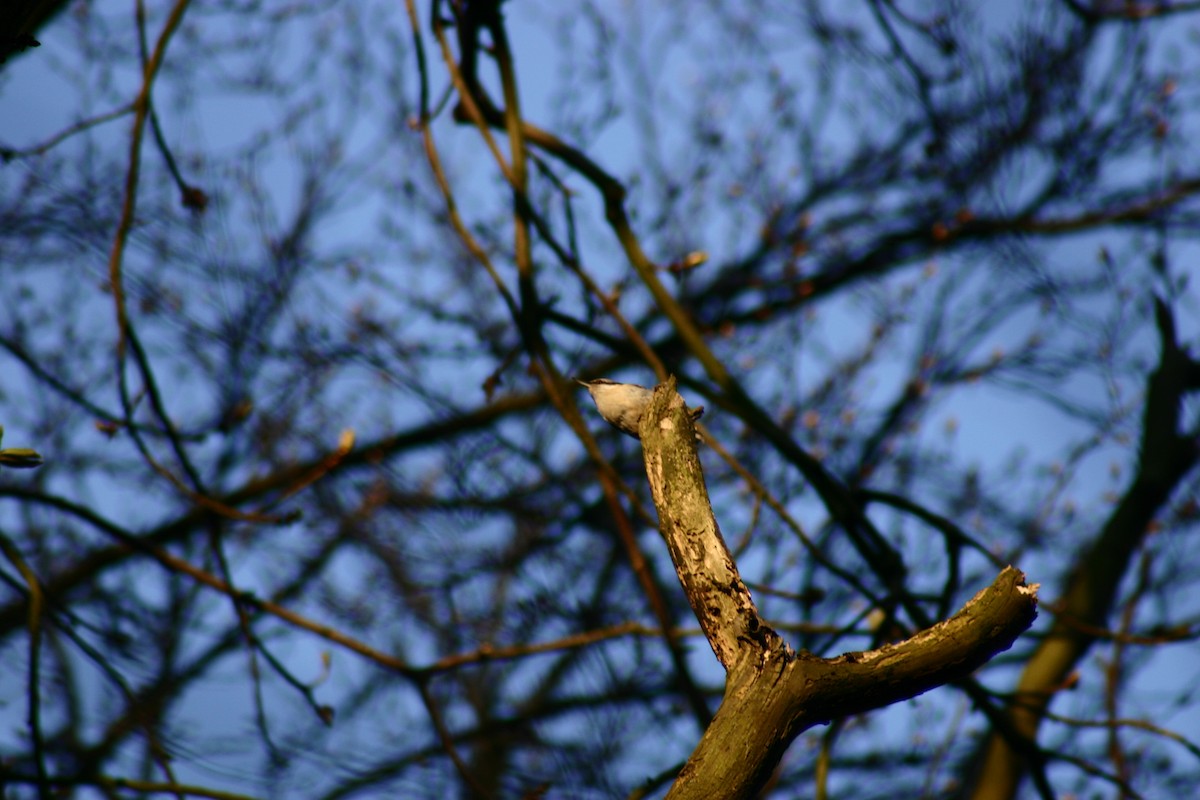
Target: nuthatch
[[622, 404]]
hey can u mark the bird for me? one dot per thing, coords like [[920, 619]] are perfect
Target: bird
[[622, 404]]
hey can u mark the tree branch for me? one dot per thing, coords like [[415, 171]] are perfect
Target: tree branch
[[772, 693]]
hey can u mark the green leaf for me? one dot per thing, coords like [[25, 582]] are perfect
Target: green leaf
[[20, 458]]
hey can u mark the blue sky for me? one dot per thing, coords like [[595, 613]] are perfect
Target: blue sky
[[989, 425]]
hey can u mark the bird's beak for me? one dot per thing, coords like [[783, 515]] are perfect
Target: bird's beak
[[581, 383]]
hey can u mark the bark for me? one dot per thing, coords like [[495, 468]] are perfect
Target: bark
[[773, 693]]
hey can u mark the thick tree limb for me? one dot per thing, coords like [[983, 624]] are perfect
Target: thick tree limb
[[1167, 456], [772, 693]]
